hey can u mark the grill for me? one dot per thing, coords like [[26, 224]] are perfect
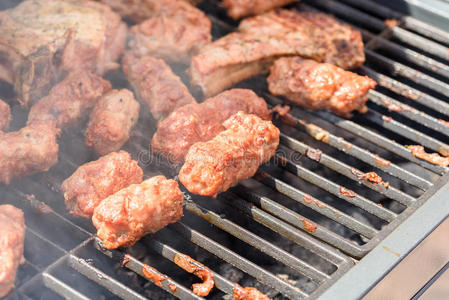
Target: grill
[[310, 210]]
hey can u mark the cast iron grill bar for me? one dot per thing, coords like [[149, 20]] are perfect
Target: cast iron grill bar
[[407, 91], [295, 219], [378, 140], [257, 242], [348, 171], [238, 261], [61, 287], [406, 131], [318, 206], [335, 189]]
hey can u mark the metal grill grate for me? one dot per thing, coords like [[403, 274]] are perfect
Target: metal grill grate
[[410, 63]]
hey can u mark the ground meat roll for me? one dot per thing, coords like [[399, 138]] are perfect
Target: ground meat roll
[[5, 116]]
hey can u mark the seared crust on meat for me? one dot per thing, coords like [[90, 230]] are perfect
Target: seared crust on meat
[[200, 122], [125, 217], [96, 180], [319, 85], [12, 236], [237, 9], [69, 100], [111, 121], [155, 83], [233, 155], [5, 116], [32, 149]]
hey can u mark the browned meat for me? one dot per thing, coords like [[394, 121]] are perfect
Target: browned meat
[[55, 37], [237, 9], [12, 236], [248, 293], [240, 55], [201, 122], [434, 158], [201, 271], [156, 84], [96, 180], [32, 149], [233, 155], [5, 116], [69, 100], [111, 121], [123, 218], [176, 33], [319, 85]]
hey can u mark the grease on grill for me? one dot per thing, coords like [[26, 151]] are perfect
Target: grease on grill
[[346, 192], [434, 158], [381, 161], [391, 106], [320, 204], [314, 153], [126, 259], [318, 133], [390, 23], [387, 119], [309, 226], [199, 270], [248, 293], [307, 199], [152, 274], [38, 205], [444, 122]]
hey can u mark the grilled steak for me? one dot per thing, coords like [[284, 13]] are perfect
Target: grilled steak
[[12, 236], [111, 121], [55, 37], [200, 122], [319, 85], [237, 9], [123, 218], [176, 33], [156, 84], [233, 155], [5, 116], [240, 55], [96, 180], [32, 149], [69, 100]]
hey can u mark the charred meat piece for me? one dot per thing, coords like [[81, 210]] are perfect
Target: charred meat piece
[[32, 149], [176, 33], [319, 85], [240, 55], [111, 121], [69, 100], [96, 180], [5, 116], [156, 84], [237, 9], [125, 217], [12, 236], [201, 122], [233, 155], [56, 37]]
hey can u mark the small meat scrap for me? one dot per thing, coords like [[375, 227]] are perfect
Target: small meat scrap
[[372, 177], [175, 33], [237, 9], [233, 155], [155, 84], [319, 85], [126, 216], [111, 121], [69, 100], [96, 180], [199, 270], [345, 192], [201, 122], [5, 115], [391, 23], [248, 293], [154, 275], [12, 236], [32, 149], [434, 158]]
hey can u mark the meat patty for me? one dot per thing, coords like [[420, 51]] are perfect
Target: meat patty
[[5, 116], [176, 33], [125, 217], [96, 180], [156, 84], [237, 9], [111, 121], [56, 37], [69, 100], [32, 149], [200, 122], [262, 39], [12, 236], [233, 155], [319, 85]]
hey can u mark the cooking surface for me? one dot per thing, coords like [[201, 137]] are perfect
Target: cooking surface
[[297, 226]]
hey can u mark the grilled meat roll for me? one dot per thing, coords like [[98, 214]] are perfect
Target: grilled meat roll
[[5, 116], [237, 9]]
